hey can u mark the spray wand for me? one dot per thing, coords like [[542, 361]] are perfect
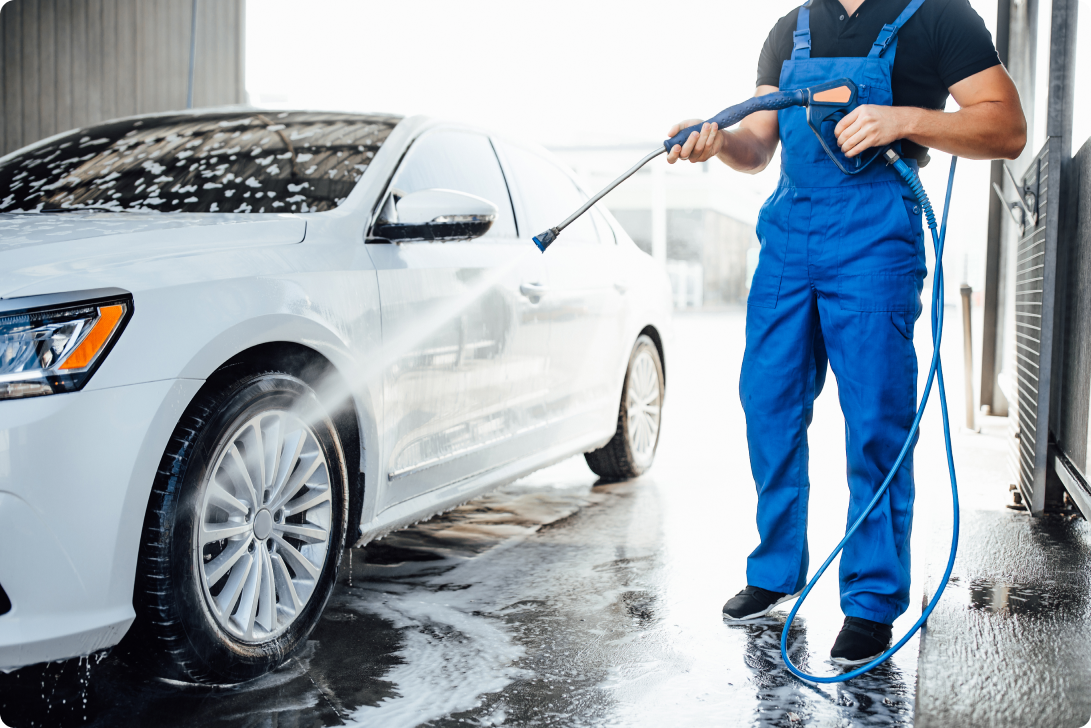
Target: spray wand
[[826, 104]]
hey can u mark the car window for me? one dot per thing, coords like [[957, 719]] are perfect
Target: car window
[[462, 161], [224, 162], [547, 196]]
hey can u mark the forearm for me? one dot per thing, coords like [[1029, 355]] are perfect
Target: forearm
[[744, 151], [986, 130]]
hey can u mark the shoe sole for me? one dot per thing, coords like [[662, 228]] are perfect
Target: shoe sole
[[765, 611], [855, 663]]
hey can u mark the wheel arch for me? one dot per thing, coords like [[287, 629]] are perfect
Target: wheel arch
[[327, 380], [276, 338]]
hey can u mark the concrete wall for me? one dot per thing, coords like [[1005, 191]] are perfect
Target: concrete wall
[[70, 63], [715, 240], [724, 257]]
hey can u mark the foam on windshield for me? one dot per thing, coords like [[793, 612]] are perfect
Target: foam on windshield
[[223, 162]]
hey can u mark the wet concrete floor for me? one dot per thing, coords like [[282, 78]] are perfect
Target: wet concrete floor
[[1017, 613], [557, 601]]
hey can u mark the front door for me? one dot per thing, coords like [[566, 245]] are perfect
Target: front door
[[464, 350]]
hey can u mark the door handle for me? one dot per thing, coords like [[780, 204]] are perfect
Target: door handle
[[533, 290]]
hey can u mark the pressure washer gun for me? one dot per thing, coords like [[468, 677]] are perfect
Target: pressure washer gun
[[826, 105]]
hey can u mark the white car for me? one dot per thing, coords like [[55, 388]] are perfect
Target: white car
[[234, 342]]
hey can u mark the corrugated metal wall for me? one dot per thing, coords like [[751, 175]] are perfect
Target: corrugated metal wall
[[70, 63], [1032, 323]]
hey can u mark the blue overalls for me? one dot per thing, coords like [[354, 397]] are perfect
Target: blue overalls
[[839, 281]]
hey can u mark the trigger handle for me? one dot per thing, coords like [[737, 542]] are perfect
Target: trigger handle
[[827, 99], [734, 114]]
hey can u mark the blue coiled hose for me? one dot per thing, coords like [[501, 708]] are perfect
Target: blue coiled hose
[[935, 371]]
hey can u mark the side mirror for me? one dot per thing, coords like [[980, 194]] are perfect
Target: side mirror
[[436, 215]]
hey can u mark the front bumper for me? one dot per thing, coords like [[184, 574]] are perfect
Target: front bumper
[[75, 474]]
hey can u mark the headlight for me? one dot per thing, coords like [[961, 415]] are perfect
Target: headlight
[[52, 344]]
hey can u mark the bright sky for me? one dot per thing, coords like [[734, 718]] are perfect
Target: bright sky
[[558, 72], [561, 73]]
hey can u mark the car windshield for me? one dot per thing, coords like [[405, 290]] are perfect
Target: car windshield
[[225, 162]]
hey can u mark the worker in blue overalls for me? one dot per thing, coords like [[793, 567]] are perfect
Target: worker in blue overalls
[[840, 274]]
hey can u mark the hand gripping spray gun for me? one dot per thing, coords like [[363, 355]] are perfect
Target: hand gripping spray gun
[[827, 104]]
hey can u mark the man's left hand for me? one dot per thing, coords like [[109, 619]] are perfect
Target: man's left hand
[[869, 126]]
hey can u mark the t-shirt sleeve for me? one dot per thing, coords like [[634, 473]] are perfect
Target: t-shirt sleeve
[[777, 49], [963, 43]]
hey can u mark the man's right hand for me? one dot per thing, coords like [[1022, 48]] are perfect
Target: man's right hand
[[699, 147], [746, 149]]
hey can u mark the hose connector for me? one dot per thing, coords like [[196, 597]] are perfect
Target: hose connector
[[914, 183]]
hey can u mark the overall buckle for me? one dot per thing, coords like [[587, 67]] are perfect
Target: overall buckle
[[801, 40], [886, 35]]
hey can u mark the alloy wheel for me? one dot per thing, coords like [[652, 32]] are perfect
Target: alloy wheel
[[643, 407], [265, 526]]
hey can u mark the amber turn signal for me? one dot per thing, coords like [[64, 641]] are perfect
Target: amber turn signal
[[100, 333]]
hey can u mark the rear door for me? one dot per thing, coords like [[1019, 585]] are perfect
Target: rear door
[[464, 349], [585, 292]]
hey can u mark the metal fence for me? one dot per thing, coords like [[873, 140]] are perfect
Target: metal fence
[[1035, 271]]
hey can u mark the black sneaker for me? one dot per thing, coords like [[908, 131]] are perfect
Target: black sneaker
[[860, 641], [753, 602]]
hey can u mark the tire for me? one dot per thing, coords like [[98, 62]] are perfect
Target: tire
[[632, 449], [231, 609]]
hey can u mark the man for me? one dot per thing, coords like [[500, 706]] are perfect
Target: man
[[840, 275]]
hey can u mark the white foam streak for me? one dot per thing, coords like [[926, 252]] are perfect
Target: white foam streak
[[451, 658]]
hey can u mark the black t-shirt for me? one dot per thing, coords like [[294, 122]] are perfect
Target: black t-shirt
[[943, 43]]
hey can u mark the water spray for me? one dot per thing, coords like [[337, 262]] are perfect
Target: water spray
[[336, 393], [827, 104]]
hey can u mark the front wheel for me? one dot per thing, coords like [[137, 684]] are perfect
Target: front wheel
[[632, 449], [243, 533]]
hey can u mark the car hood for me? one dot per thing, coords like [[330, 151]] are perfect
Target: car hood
[[36, 247]]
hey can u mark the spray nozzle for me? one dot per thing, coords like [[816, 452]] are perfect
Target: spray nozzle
[[544, 240]]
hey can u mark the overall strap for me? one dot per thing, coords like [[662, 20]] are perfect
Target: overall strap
[[801, 39], [888, 36]]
